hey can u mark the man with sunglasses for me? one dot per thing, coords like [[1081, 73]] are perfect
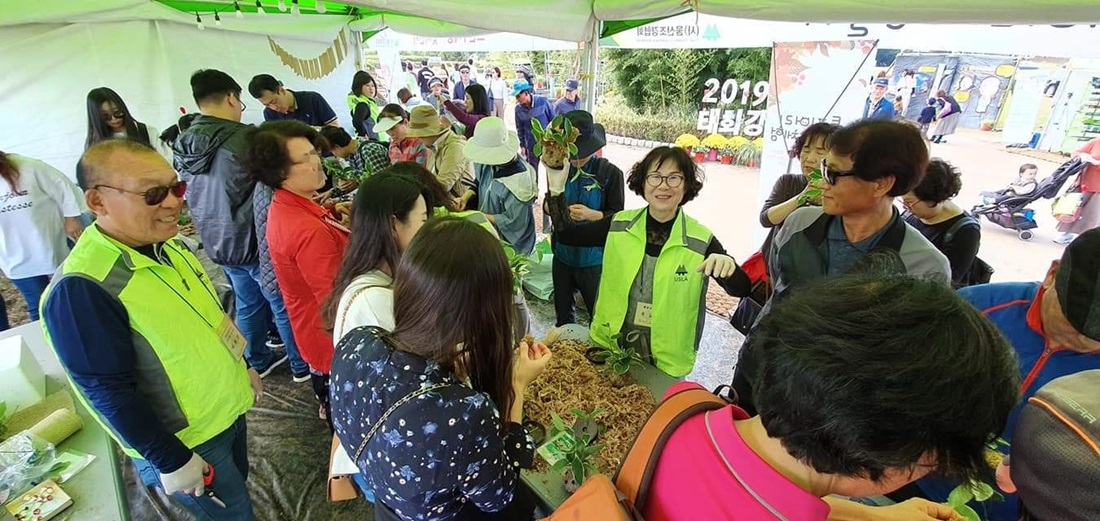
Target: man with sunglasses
[[220, 195], [868, 165], [139, 329]]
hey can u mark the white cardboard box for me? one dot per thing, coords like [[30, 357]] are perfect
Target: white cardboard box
[[21, 380]]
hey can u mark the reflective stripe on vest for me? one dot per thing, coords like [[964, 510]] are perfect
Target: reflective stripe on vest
[[678, 293], [194, 385]]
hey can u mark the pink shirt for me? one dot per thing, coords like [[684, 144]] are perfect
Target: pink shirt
[[692, 483]]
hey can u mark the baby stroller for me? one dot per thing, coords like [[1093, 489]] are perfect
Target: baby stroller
[[1012, 213]]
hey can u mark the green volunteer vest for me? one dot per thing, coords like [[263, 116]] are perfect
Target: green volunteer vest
[[473, 216], [678, 291], [192, 381]]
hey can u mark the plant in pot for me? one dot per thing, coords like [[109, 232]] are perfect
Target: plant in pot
[[576, 463], [725, 154], [749, 154], [616, 359], [713, 143], [556, 143], [687, 142], [700, 152]]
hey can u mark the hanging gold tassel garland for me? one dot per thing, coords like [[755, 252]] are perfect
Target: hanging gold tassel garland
[[318, 67]]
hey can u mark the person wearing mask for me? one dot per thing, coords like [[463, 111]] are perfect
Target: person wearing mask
[[365, 105], [506, 188], [394, 121], [948, 117], [39, 213], [498, 89], [657, 262], [306, 242], [423, 76], [416, 373], [137, 326], [220, 196], [445, 150], [877, 106], [1088, 182], [869, 164], [109, 118], [476, 107], [365, 156], [930, 208], [281, 103], [464, 82], [1055, 461], [819, 349], [591, 196], [1053, 326], [571, 100], [529, 107]]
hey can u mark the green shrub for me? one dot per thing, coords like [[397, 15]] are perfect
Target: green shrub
[[664, 127]]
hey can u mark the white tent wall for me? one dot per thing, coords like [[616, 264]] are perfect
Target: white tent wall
[[49, 68]]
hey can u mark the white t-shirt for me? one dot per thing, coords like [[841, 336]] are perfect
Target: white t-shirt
[[368, 301], [32, 231], [498, 87]]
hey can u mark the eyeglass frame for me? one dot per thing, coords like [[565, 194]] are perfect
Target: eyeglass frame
[[664, 179], [151, 198], [824, 168]]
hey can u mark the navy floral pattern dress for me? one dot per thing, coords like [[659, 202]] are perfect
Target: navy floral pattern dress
[[440, 456]]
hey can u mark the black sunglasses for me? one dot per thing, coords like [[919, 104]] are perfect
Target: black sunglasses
[[831, 175], [156, 194]]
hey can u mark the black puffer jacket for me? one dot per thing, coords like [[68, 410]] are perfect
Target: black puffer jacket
[[219, 191]]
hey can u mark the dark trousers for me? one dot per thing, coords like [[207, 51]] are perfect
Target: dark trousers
[[743, 374], [32, 289], [568, 280], [320, 389]]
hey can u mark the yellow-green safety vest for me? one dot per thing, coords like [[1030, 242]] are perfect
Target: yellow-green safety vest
[[196, 386], [473, 216], [679, 289]]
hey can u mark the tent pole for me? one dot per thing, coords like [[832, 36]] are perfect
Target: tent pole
[[590, 68]]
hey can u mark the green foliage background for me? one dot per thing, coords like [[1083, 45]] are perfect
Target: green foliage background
[[656, 80]]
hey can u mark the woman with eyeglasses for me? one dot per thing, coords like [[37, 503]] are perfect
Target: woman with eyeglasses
[[869, 163], [306, 242], [929, 208], [108, 118], [39, 209], [657, 262]]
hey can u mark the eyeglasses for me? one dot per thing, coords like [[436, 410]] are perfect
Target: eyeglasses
[[241, 101], [156, 194], [673, 180], [113, 115], [831, 175], [313, 157]]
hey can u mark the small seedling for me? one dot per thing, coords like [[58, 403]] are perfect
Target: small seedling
[[576, 458], [812, 194]]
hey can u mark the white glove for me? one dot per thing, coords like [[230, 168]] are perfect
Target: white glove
[[555, 179], [188, 479]]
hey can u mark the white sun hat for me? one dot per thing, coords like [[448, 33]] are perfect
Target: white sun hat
[[492, 143]]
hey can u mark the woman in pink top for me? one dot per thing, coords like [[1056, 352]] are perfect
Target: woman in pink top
[[869, 383]]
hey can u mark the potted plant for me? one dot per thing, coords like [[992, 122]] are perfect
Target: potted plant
[[576, 451], [616, 359], [556, 143], [713, 142], [749, 154], [687, 142], [699, 152], [725, 154], [987, 125]]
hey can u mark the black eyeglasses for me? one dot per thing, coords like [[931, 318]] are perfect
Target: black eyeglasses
[[156, 194], [113, 115], [831, 175], [673, 180]]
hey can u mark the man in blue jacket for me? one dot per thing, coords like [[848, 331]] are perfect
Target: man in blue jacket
[[877, 106], [1054, 325], [528, 107]]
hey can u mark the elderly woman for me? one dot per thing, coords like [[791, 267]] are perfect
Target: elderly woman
[[869, 163], [930, 209], [657, 262], [506, 185], [306, 242], [836, 416]]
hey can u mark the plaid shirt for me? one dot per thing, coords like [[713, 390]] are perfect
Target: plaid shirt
[[409, 149], [369, 158]]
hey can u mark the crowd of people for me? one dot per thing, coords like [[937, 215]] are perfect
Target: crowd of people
[[379, 267]]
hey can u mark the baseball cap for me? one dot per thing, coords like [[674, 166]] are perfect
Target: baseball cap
[[1078, 283], [1055, 462], [881, 82], [519, 86], [435, 81], [572, 84]]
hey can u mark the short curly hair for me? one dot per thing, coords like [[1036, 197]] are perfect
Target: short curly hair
[[883, 148], [693, 176], [942, 181], [265, 157], [842, 388], [820, 129]]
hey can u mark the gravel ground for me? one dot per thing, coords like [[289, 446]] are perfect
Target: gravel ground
[[13, 300]]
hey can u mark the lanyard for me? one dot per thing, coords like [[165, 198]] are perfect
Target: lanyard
[[184, 299]]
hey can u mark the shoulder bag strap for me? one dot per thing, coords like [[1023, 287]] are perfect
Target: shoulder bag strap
[[385, 416], [354, 296], [959, 224], [636, 471]]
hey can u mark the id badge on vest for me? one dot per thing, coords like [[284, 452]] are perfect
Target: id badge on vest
[[643, 314], [231, 337]]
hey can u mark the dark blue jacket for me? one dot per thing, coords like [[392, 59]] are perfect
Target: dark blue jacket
[[884, 109], [540, 109]]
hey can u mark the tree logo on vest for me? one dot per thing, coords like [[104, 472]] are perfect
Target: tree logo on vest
[[681, 274]]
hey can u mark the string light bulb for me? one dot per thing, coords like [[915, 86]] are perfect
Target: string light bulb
[[217, 19], [321, 8], [282, 6], [237, 7], [260, 8], [198, 22], [294, 8]]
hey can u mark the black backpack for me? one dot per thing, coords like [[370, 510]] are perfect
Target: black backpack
[[980, 271]]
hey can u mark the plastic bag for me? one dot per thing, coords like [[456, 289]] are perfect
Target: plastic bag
[[539, 280], [25, 460]]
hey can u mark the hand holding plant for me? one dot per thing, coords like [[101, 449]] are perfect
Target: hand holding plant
[[555, 143]]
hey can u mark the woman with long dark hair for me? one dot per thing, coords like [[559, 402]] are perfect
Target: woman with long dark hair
[[477, 107], [431, 445], [109, 118], [365, 104], [39, 209]]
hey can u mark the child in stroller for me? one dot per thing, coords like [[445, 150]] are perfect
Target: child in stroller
[[1023, 185], [1008, 208]]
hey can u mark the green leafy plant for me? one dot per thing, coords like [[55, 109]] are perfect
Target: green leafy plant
[[748, 154], [555, 143], [334, 169], [618, 359], [520, 264], [578, 455], [586, 424], [967, 492], [726, 150], [812, 194]]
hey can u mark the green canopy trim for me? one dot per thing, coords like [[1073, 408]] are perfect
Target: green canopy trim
[[270, 7]]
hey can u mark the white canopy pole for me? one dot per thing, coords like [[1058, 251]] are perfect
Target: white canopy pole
[[590, 66]]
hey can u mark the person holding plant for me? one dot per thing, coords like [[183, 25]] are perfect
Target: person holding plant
[[393, 120], [506, 186], [660, 259], [837, 416], [930, 209], [477, 107], [530, 107], [365, 156], [593, 191], [430, 444]]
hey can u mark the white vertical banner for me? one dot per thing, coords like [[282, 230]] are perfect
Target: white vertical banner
[[1023, 110], [810, 82]]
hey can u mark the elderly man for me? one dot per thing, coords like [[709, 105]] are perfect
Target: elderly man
[[446, 150], [138, 327], [877, 106]]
